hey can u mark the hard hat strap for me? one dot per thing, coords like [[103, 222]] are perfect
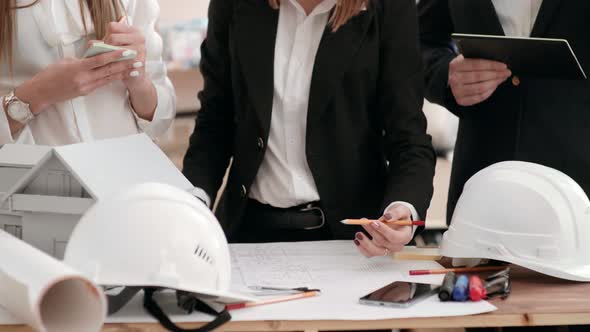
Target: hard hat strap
[[156, 311]]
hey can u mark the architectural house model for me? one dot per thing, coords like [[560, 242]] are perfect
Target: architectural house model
[[44, 191]]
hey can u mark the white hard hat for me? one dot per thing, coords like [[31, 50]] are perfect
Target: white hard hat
[[154, 235], [526, 214]]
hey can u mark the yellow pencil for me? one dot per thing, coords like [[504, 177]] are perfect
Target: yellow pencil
[[369, 221], [272, 301]]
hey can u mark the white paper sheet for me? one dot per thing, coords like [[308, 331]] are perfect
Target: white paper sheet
[[323, 265], [335, 267]]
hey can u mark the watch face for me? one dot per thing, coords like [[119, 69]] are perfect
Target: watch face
[[19, 112]]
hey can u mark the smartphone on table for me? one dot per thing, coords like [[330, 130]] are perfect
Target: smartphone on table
[[400, 294]]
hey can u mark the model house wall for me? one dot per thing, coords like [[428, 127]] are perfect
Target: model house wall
[[50, 231], [45, 210], [54, 179], [12, 224]]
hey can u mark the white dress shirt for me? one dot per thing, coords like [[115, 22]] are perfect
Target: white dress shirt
[[517, 16], [52, 30], [284, 178]]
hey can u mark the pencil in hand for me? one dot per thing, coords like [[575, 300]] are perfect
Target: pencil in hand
[[369, 221]]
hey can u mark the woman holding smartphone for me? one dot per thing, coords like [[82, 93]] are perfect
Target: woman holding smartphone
[[318, 103], [51, 95]]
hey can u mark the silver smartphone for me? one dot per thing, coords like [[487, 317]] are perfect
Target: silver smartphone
[[399, 294]]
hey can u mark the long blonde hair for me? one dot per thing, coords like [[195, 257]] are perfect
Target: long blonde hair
[[345, 10], [102, 13]]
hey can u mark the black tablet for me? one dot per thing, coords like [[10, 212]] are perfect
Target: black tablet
[[532, 57]]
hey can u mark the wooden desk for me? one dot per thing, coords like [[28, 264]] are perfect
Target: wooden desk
[[536, 300]]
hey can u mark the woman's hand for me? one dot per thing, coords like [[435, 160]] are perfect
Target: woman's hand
[[142, 93], [130, 37], [385, 238], [71, 78]]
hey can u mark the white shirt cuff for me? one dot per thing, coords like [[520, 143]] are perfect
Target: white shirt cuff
[[163, 115], [415, 215], [202, 195], [5, 134]]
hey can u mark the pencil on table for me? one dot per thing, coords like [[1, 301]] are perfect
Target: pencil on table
[[272, 301], [369, 221]]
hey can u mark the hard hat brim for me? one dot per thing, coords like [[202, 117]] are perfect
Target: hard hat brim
[[574, 273], [224, 297], [212, 295]]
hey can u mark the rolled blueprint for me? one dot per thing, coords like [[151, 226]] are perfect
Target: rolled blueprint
[[45, 293]]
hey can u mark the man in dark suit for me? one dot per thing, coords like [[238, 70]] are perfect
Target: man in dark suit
[[314, 137], [504, 116]]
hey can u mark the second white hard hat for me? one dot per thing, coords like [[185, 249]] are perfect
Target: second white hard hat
[[526, 214]]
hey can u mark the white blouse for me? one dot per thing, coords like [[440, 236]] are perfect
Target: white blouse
[[50, 31], [284, 179]]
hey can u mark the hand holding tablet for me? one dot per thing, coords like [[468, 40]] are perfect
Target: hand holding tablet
[[526, 57]]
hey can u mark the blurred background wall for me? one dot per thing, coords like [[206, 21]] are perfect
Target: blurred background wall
[[179, 10]]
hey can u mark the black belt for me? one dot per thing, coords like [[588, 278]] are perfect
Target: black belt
[[308, 216]]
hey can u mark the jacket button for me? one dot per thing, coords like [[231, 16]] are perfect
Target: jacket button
[[260, 143], [515, 80], [243, 192]]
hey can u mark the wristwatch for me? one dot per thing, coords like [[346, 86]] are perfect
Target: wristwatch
[[17, 109]]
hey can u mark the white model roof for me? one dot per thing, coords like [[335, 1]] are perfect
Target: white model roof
[[108, 166], [22, 155]]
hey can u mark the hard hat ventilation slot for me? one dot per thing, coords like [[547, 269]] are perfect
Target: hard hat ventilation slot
[[202, 254]]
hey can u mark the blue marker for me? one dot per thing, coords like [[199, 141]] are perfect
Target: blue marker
[[461, 290]]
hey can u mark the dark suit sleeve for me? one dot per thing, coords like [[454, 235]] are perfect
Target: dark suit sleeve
[[438, 51], [400, 90], [211, 144]]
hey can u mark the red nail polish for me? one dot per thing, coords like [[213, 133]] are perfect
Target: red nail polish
[[357, 243], [359, 236], [388, 216]]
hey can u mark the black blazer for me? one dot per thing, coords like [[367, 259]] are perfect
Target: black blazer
[[542, 121], [366, 140]]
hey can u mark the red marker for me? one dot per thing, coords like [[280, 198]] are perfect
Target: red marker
[[477, 291]]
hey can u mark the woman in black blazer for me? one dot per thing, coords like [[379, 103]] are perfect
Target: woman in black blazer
[[317, 103]]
